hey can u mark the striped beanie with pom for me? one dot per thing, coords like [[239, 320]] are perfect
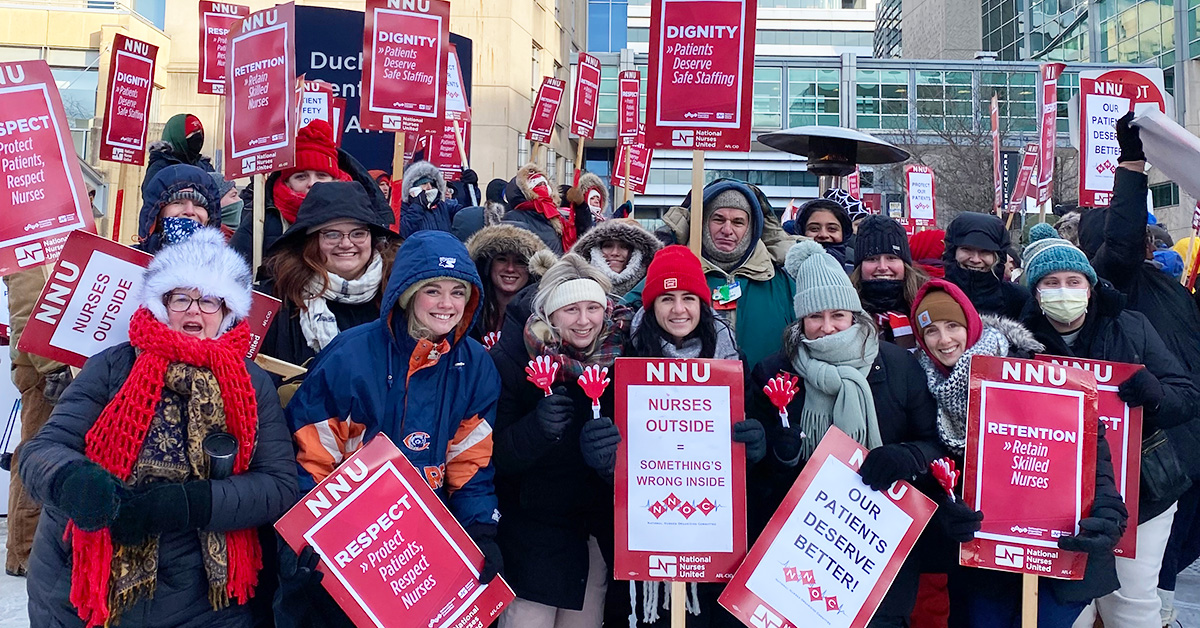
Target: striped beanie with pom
[[1047, 253]]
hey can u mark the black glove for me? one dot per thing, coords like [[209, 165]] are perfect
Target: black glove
[[598, 442], [554, 413], [56, 384], [1100, 531], [751, 432], [787, 443], [1129, 139], [469, 177], [1142, 389], [298, 600], [484, 535], [624, 210], [88, 494], [162, 508], [887, 463], [957, 520], [297, 573]]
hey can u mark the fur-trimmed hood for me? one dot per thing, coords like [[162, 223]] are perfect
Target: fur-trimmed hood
[[1019, 338], [578, 194], [202, 262], [629, 232], [420, 170], [518, 189], [495, 240]]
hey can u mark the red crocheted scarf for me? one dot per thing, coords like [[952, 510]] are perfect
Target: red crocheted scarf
[[543, 204], [116, 438]]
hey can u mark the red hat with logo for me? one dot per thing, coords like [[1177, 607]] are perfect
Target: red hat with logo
[[315, 150], [675, 268]]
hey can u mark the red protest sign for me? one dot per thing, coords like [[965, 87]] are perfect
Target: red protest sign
[[260, 101], [339, 117], [629, 85], [639, 164], [316, 103], [832, 548], [445, 152], [88, 300], [456, 97], [1048, 128], [854, 184], [680, 480], [391, 552], [1123, 432], [997, 176], [217, 20], [127, 106], [585, 103], [404, 65], [1033, 474], [1029, 160], [701, 74], [1105, 96], [920, 192], [45, 196], [545, 110]]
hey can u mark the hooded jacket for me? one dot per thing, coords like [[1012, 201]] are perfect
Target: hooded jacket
[[173, 149], [169, 180], [437, 403], [765, 308], [273, 222], [677, 225], [1115, 241], [415, 216], [549, 230], [988, 292], [496, 240], [578, 194], [628, 232]]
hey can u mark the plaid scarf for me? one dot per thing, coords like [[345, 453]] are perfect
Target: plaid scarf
[[541, 339]]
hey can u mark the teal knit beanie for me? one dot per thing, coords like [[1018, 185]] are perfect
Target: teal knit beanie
[[821, 283], [1047, 253]]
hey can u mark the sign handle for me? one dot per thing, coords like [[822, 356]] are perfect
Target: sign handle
[[578, 162], [219, 143], [117, 214], [1029, 601], [697, 197], [1042, 211], [628, 162], [398, 159], [1008, 223], [678, 604], [462, 150], [260, 214]]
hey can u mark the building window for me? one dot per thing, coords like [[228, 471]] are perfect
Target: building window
[[882, 99], [944, 101], [638, 35], [813, 97], [1164, 194], [768, 97], [606, 103], [1140, 32], [1017, 93], [814, 38], [608, 25]]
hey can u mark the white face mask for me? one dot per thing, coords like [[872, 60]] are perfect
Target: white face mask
[[431, 195], [1064, 305]]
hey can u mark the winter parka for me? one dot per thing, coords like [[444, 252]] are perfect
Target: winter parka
[[1115, 334], [255, 498], [156, 192], [551, 499], [172, 149], [415, 216], [988, 292], [643, 244], [436, 402]]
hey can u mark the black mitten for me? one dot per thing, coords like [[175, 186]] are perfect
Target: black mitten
[[598, 442], [162, 508], [56, 384], [1101, 530], [1129, 139], [88, 494], [554, 413], [886, 464], [484, 535], [787, 443], [1141, 390], [957, 520], [469, 177], [751, 432]]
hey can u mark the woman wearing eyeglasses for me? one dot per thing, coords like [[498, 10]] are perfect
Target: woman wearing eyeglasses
[[328, 269]]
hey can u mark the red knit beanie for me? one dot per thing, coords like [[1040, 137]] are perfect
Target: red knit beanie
[[315, 150], [675, 268]]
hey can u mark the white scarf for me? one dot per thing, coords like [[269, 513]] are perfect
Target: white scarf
[[317, 323]]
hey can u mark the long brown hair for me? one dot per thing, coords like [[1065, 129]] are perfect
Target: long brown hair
[[295, 266], [914, 278]]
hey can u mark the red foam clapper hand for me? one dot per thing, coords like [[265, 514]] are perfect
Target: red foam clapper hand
[[593, 382], [780, 390], [490, 340], [542, 371], [943, 469]]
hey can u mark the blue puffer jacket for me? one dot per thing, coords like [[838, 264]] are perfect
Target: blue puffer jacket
[[156, 192], [416, 217], [436, 402]]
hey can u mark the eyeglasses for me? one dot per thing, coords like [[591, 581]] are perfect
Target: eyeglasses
[[333, 236], [177, 302]]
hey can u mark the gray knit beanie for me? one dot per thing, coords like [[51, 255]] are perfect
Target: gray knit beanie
[[821, 283]]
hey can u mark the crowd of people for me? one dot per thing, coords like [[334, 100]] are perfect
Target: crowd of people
[[413, 308]]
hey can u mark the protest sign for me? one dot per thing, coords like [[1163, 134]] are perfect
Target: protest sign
[[912, 225], [1033, 474], [44, 196], [639, 164], [629, 85], [88, 300], [853, 184], [585, 103], [445, 152], [393, 556], [127, 105], [701, 74], [1105, 96], [404, 65], [920, 193], [260, 100], [1123, 432], [1048, 128], [545, 110], [217, 20], [456, 99], [832, 549], [997, 177], [316, 103], [1169, 147], [680, 479], [339, 117], [1029, 160]]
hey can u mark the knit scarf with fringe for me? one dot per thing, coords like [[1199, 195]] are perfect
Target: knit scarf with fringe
[[834, 370], [116, 439], [951, 389]]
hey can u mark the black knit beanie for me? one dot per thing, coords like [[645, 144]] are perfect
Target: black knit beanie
[[880, 235]]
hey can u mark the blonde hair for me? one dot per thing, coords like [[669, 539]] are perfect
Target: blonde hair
[[569, 267]]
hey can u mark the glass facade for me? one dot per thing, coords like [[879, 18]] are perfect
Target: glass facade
[[813, 97], [768, 97], [1193, 37], [608, 22], [887, 43], [881, 99], [1059, 30], [1003, 28], [1138, 32], [944, 101]]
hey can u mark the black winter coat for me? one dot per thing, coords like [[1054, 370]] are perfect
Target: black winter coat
[[1115, 240], [1113, 333], [162, 155], [285, 340], [989, 293], [536, 224], [550, 500], [255, 498]]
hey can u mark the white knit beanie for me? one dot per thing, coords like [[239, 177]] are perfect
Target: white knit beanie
[[821, 284], [574, 291]]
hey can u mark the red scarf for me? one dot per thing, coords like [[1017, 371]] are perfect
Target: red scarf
[[544, 205], [287, 201], [116, 439]]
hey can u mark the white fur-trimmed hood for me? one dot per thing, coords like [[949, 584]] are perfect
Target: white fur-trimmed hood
[[205, 263]]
